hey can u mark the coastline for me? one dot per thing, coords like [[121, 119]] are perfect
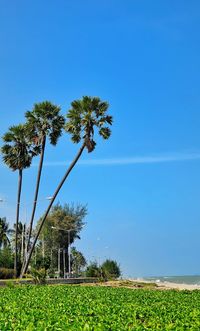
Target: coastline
[[168, 285]]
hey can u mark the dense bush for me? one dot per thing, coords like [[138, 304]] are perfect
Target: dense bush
[[93, 270], [6, 258], [111, 269], [6, 273], [41, 262], [108, 270]]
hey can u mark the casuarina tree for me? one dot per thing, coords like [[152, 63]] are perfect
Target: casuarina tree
[[84, 118], [62, 227], [17, 155], [78, 261], [43, 121], [111, 269]]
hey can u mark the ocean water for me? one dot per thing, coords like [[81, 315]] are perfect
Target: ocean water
[[192, 280]]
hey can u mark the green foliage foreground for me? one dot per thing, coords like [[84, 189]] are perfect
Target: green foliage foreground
[[97, 308]]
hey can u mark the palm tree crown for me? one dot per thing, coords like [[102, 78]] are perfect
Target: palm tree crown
[[84, 116], [45, 120], [17, 151]]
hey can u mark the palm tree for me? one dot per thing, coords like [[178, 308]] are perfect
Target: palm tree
[[4, 233], [17, 155], [84, 116], [43, 121]]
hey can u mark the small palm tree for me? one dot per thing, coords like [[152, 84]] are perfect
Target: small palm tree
[[84, 116], [17, 155], [4, 233], [42, 122]]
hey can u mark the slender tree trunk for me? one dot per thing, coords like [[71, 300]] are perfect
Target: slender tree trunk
[[43, 248], [50, 205], [17, 220], [22, 244], [36, 190]]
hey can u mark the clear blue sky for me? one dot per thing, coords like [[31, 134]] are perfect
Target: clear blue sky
[[143, 186]]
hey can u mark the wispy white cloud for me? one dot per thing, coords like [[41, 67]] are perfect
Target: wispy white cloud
[[120, 161], [174, 157]]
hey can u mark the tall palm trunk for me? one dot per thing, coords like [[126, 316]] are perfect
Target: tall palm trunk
[[22, 244], [17, 220], [50, 205], [36, 190]]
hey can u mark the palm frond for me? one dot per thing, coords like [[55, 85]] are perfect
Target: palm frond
[[105, 132]]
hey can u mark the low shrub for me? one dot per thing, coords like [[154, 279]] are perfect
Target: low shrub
[[10, 284], [51, 272], [39, 276], [7, 273], [93, 270]]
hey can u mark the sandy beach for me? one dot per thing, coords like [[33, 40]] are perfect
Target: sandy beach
[[168, 285]]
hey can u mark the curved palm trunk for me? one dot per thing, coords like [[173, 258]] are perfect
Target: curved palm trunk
[[36, 190], [50, 205], [17, 220]]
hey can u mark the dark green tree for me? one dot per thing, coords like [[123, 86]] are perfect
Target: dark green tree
[[43, 121], [84, 117], [6, 258], [93, 270], [5, 232], [111, 269], [17, 155], [78, 261], [63, 227]]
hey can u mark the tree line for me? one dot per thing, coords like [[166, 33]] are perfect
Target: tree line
[[53, 254], [63, 227]]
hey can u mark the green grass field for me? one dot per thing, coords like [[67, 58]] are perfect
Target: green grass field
[[97, 308]]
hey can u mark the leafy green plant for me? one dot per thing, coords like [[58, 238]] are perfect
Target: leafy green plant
[[39, 276], [78, 308], [10, 284]]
